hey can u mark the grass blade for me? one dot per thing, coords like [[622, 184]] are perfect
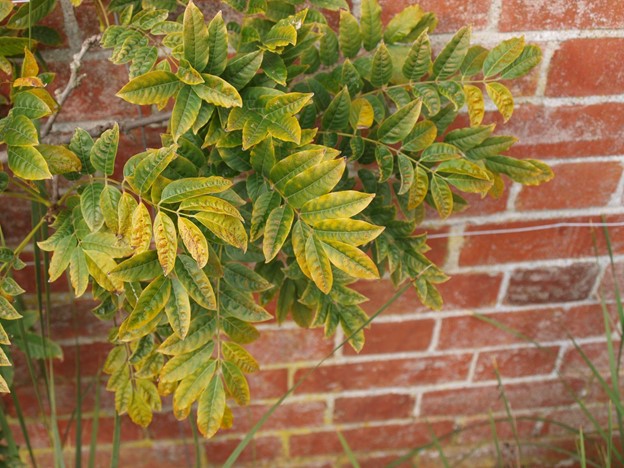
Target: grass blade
[[499, 455], [116, 441], [95, 423], [348, 452]]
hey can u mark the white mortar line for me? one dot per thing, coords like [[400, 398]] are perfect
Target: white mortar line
[[514, 191], [417, 405], [494, 14], [454, 246], [473, 366], [435, 335], [502, 290], [548, 51]]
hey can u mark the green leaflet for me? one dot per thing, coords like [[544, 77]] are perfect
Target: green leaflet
[[141, 267], [211, 408], [106, 242], [406, 169], [418, 59], [239, 276], [422, 136], [90, 205], [396, 127], [199, 334], [62, 256], [349, 231], [336, 117], [28, 163], [370, 24], [100, 265], [195, 282], [349, 37], [19, 130], [227, 228], [109, 204], [219, 92], [166, 241], [296, 163], [192, 386], [183, 189], [264, 205], [503, 55], [236, 383], [318, 263], [240, 356], [151, 302], [195, 37], [530, 57], [313, 182], [217, 45], [148, 170], [183, 365], [104, 150], [450, 59], [381, 70], [151, 88], [402, 24], [351, 260], [185, 111], [335, 205], [442, 196], [210, 204], [81, 144], [242, 306], [242, 68], [276, 231]]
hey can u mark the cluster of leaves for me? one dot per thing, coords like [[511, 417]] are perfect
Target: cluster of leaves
[[284, 166]]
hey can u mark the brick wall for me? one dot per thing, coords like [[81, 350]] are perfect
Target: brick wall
[[421, 371]]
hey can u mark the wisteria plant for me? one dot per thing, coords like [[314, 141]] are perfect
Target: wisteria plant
[[298, 159]]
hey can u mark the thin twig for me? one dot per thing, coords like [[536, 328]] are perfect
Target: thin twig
[[73, 82]]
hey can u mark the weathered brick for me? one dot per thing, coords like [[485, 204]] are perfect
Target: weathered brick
[[531, 242], [554, 284], [601, 62], [541, 325], [520, 362], [268, 383], [373, 408], [574, 186], [387, 373], [392, 337], [522, 15], [290, 345], [479, 400], [470, 290], [261, 448], [574, 363], [368, 438], [565, 131]]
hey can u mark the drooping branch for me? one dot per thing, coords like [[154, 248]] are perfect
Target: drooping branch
[[74, 81]]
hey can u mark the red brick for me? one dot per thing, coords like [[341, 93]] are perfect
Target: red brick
[[521, 362], [92, 357], [373, 408], [597, 353], [462, 291], [542, 325], [106, 425], [452, 14], [574, 186], [565, 131], [96, 92], [554, 284], [287, 416], [601, 62], [480, 400], [15, 220], [521, 15], [76, 319], [364, 439], [290, 345], [268, 383], [577, 418], [260, 448], [478, 206], [532, 242], [611, 279], [393, 337], [387, 373], [480, 430]]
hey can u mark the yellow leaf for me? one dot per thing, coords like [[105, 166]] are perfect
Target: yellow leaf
[[318, 262], [476, 104], [166, 241], [141, 237], [502, 97], [194, 241], [211, 408], [30, 68]]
